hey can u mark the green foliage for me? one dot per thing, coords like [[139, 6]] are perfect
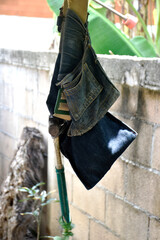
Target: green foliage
[[67, 227], [106, 37], [150, 49], [67, 231], [158, 26], [141, 20], [35, 194], [41, 198], [55, 5], [145, 48]]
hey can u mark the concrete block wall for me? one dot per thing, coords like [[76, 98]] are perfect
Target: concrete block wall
[[24, 82], [125, 204]]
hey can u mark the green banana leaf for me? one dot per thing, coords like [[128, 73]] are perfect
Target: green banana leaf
[[143, 46], [98, 7], [106, 36], [158, 26], [55, 5], [153, 46]]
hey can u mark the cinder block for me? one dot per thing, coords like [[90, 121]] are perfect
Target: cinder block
[[156, 150], [67, 165], [31, 78], [143, 189], [114, 180], [26, 108], [53, 215], [127, 101], [24, 122], [1, 170], [25, 90], [148, 105], [28, 59], [19, 92], [8, 145], [29, 104], [42, 60], [117, 104], [43, 129], [20, 72], [126, 221], [68, 176], [91, 202], [8, 96], [8, 122], [43, 82], [40, 111], [4, 163], [154, 230], [7, 73], [140, 148], [99, 232], [81, 223], [19, 101], [1, 90]]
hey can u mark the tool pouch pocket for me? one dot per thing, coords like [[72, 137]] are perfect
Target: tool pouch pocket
[[80, 88]]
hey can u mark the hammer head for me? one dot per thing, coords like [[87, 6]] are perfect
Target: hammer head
[[130, 21]]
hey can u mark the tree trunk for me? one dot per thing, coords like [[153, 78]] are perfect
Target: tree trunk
[[27, 168]]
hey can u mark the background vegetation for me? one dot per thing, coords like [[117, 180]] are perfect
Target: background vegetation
[[108, 35]]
